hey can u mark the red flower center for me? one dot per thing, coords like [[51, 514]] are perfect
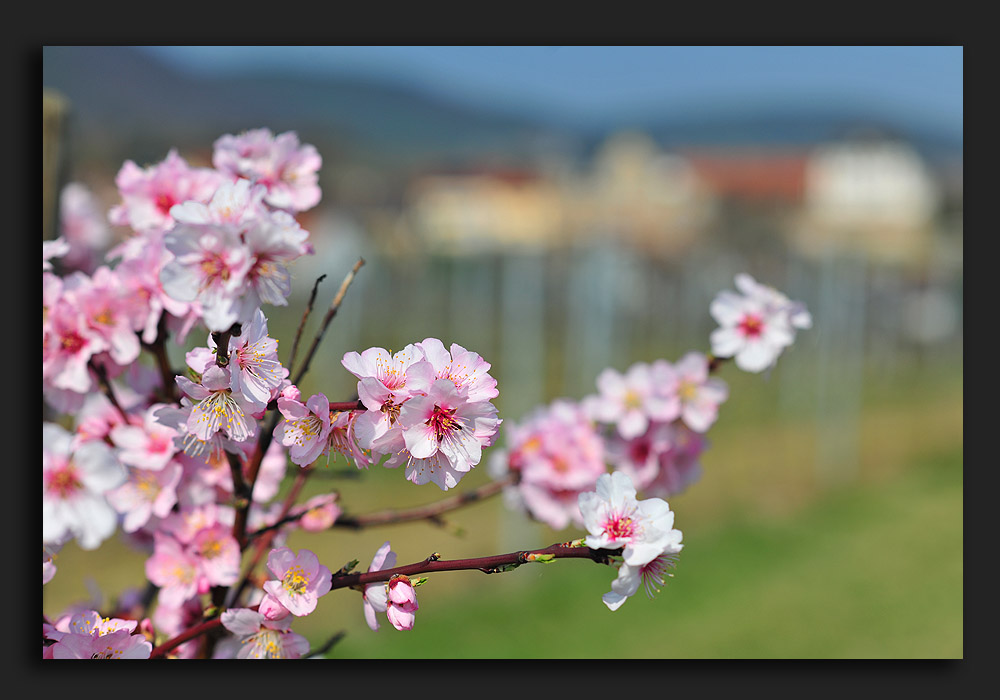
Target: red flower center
[[751, 326]]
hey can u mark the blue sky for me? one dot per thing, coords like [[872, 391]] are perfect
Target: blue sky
[[605, 81]]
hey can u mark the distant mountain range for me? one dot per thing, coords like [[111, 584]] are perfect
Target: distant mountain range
[[127, 104]]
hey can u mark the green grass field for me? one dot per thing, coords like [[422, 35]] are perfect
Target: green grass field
[[777, 562]]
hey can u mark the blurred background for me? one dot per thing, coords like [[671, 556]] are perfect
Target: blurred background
[[561, 209]]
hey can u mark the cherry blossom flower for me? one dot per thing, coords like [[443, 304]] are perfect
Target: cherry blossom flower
[[797, 313], [343, 439], [253, 357], [256, 637], [217, 408], [146, 300], [148, 194], [615, 519], [89, 636], [699, 394], [639, 457], [385, 382], [375, 597], [305, 427], [173, 569], [467, 370], [67, 347], [233, 202], [557, 454], [755, 328], [679, 465], [74, 482], [83, 226], [401, 602], [650, 575], [210, 266], [629, 401], [55, 248], [145, 494], [148, 446], [318, 513], [287, 170], [301, 581], [444, 434], [274, 241]]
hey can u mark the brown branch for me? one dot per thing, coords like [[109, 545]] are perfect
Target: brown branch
[[327, 646], [431, 511], [102, 379], [330, 313], [489, 565], [302, 323], [159, 350]]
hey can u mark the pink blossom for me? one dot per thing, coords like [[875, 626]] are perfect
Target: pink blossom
[[639, 457], [757, 327], [650, 575], [55, 248], [148, 194], [699, 394], [680, 465], [256, 637], [74, 482], [401, 602], [466, 369], [253, 356], [274, 242], [146, 300], [375, 598], [287, 170], [218, 556], [628, 400], [210, 266], [233, 202], [305, 428], [318, 513], [146, 494], [216, 408], [557, 454], [343, 439], [83, 226], [776, 302], [114, 645], [615, 519], [301, 580], [173, 569], [149, 446], [444, 434], [68, 345]]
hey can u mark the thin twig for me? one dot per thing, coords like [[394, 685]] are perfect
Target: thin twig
[[431, 511], [326, 646], [102, 379], [330, 313], [302, 323]]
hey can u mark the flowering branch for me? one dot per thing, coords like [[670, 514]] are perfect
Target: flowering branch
[[499, 563], [495, 564]]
